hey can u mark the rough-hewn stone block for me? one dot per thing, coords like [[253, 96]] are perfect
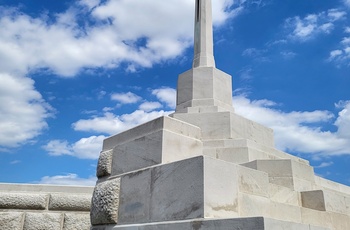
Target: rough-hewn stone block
[[11, 220], [104, 166], [70, 202], [23, 201], [76, 221], [105, 202], [43, 221]]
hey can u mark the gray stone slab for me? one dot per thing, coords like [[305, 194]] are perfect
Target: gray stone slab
[[135, 195], [70, 202], [43, 221], [105, 202], [168, 192], [167, 123], [23, 201], [11, 220], [76, 221]]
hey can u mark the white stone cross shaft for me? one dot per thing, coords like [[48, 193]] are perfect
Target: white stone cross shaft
[[203, 35]]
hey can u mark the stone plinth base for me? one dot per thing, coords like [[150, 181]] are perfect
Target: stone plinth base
[[250, 223]]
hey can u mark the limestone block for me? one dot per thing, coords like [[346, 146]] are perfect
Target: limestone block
[[227, 125], [76, 221], [316, 218], [105, 202], [135, 196], [325, 200], [221, 195], [137, 154], [11, 220], [340, 221], [250, 205], [253, 181], [23, 201], [104, 165], [239, 143], [168, 123], [162, 146], [70, 202], [322, 183], [181, 190], [272, 224], [43, 221], [282, 194], [286, 173], [204, 86]]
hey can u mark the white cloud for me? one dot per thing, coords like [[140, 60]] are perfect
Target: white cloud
[[300, 132], [85, 148], [68, 179], [303, 29], [125, 98], [166, 95], [150, 105], [324, 165], [122, 31], [112, 124], [347, 2], [22, 110]]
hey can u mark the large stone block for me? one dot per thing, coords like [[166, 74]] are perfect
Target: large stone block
[[43, 221], [155, 125], [287, 173], [253, 182], [70, 202], [162, 140], [105, 202], [228, 125], [252, 148], [76, 221], [282, 194], [181, 190], [250, 205], [204, 86], [316, 218], [11, 220], [23, 201]]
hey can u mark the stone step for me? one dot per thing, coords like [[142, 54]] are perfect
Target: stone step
[[287, 173], [250, 223], [246, 143]]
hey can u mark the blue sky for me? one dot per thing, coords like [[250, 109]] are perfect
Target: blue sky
[[75, 72]]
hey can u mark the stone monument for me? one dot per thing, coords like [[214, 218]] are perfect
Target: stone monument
[[205, 167]]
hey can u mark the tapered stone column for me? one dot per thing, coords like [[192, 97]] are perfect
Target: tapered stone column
[[203, 35]]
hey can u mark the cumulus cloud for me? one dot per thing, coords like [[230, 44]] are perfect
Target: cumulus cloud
[[166, 95], [85, 148], [111, 124], [341, 56], [23, 112], [150, 105], [125, 98], [105, 35], [300, 132], [68, 179], [303, 29]]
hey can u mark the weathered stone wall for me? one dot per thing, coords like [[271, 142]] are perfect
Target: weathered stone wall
[[44, 207]]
